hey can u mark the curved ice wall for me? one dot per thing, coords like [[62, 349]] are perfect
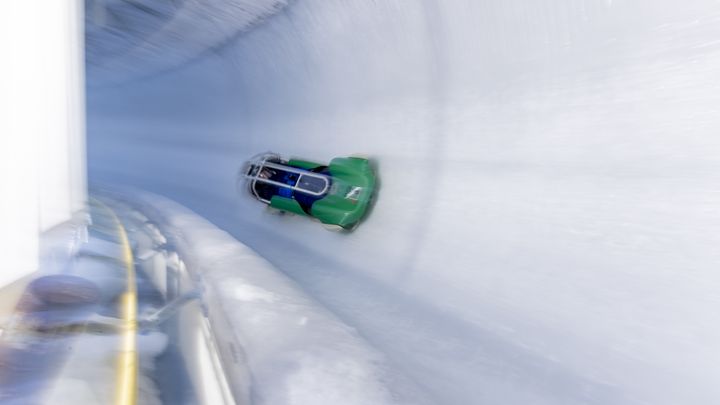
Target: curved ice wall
[[547, 227], [127, 39]]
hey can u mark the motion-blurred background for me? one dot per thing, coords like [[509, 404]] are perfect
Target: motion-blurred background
[[546, 228]]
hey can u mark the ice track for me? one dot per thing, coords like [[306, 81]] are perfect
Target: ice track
[[547, 226]]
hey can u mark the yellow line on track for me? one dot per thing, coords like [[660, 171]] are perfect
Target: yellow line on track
[[126, 386]]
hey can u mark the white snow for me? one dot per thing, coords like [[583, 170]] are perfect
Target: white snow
[[547, 227], [297, 352]]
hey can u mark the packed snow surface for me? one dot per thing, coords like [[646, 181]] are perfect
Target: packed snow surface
[[546, 229]]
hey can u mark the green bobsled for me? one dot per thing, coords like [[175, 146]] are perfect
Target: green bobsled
[[337, 194]]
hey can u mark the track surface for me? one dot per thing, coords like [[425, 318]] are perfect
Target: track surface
[[546, 230]]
